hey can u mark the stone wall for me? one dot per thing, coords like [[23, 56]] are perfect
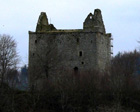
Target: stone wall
[[54, 52]]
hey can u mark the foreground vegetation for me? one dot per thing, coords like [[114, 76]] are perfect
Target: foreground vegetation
[[115, 90]]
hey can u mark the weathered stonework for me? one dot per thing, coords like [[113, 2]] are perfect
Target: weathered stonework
[[54, 52]]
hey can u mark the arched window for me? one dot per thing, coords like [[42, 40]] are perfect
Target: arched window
[[75, 69]]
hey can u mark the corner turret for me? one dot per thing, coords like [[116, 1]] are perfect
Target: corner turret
[[43, 25], [94, 23]]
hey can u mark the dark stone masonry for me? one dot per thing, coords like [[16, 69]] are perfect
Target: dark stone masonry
[[54, 52]]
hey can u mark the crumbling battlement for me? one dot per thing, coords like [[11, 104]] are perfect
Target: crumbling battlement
[[43, 25], [93, 23]]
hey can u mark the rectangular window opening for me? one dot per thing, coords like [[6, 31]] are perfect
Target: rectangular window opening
[[80, 53], [77, 40]]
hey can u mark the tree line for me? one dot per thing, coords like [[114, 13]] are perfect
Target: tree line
[[117, 89]]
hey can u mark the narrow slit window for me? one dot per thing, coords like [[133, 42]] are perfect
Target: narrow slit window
[[77, 40], [80, 53]]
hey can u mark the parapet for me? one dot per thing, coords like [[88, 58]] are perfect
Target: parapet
[[43, 24], [94, 22]]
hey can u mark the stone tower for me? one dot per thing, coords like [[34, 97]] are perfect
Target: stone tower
[[54, 52]]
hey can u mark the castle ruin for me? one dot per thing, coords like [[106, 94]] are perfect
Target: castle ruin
[[53, 51]]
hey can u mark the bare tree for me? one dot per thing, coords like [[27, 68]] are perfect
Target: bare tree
[[8, 55]]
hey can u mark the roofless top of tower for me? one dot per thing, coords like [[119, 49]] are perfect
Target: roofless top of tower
[[93, 23]]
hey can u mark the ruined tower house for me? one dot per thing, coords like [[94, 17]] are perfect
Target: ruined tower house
[[53, 51]]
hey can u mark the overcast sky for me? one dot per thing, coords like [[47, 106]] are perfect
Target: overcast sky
[[121, 18]]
